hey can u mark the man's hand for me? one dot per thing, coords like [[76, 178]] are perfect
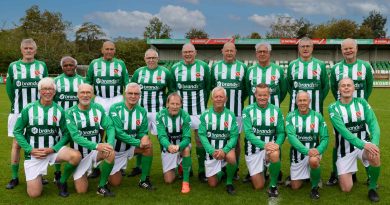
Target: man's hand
[[145, 142], [372, 150], [173, 148], [219, 154], [41, 153], [313, 152], [104, 147], [271, 147]]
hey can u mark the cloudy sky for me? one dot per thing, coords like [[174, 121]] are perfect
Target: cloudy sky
[[219, 18]]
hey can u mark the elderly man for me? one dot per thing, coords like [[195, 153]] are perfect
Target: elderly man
[[156, 83], [307, 74], [361, 73], [131, 126], [22, 80], [264, 135], [308, 135], [84, 122], [229, 73], [357, 137], [218, 132], [193, 84], [266, 72], [66, 91], [174, 134], [36, 131]]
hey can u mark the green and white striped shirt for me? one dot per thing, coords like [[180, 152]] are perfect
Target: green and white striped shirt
[[67, 87], [273, 76], [193, 85], [218, 131], [305, 132], [155, 84], [353, 123], [130, 125], [309, 76], [40, 126], [262, 125], [22, 83], [108, 77], [231, 77]]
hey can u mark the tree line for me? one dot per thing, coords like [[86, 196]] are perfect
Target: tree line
[[49, 30]]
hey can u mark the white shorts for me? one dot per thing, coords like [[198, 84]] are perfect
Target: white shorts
[[170, 161], [256, 162], [213, 166], [11, 123], [35, 167], [86, 165], [152, 122], [239, 123], [195, 121], [107, 102], [121, 159], [348, 163], [300, 170]]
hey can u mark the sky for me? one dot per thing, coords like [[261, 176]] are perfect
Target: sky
[[219, 18]]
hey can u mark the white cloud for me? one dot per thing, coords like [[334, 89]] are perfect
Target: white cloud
[[192, 1], [264, 21], [366, 7], [123, 19], [180, 18], [234, 17]]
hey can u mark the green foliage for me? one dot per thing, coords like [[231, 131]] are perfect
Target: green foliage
[[337, 28], [254, 35], [196, 33], [376, 22], [157, 29], [132, 52]]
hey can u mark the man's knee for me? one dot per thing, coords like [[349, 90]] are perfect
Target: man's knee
[[314, 162], [274, 156]]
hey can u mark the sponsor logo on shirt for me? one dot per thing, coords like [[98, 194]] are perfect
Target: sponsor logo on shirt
[[107, 82], [306, 86], [43, 131], [218, 136], [66, 97], [263, 132], [22, 84], [150, 87], [231, 85], [88, 133], [306, 138], [356, 128], [189, 87]]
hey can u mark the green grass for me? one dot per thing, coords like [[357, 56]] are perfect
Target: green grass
[[129, 193]]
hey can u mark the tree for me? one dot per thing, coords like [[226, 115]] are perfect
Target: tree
[[254, 35], [305, 28], [132, 53], [89, 40], [285, 27], [157, 29], [376, 21], [236, 36], [196, 33], [48, 29], [341, 28]]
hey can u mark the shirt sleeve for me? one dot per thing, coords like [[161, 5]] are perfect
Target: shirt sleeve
[[186, 129], [289, 78], [324, 81], [162, 133], [333, 82], [20, 125], [89, 77], [372, 123], [324, 136], [283, 85], [9, 84], [369, 82], [280, 133]]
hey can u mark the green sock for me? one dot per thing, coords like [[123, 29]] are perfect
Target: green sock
[[368, 172], [374, 174], [146, 164], [105, 170], [57, 167], [68, 170], [274, 169], [220, 175], [334, 159], [186, 168], [315, 176], [230, 170], [201, 154], [15, 170], [139, 161]]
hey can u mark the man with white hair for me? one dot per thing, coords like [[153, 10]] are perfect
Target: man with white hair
[[22, 80], [360, 72], [218, 132], [192, 79], [131, 126], [37, 129], [156, 83], [84, 122], [308, 135]]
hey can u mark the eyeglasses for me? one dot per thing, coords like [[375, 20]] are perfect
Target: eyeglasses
[[151, 58], [68, 65], [131, 93], [260, 51], [47, 89]]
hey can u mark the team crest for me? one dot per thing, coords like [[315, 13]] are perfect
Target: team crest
[[226, 124], [359, 73], [138, 122], [37, 72], [314, 72], [238, 74], [312, 126], [272, 119], [273, 78], [197, 75], [96, 119], [116, 71], [158, 78], [358, 114], [55, 119]]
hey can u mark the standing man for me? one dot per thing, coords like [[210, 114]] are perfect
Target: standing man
[[108, 75], [84, 122], [266, 72], [308, 135], [264, 135], [218, 132], [361, 73], [229, 74], [131, 126], [307, 74], [156, 83], [36, 131], [174, 134], [192, 79], [357, 137], [66, 95], [22, 80]]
